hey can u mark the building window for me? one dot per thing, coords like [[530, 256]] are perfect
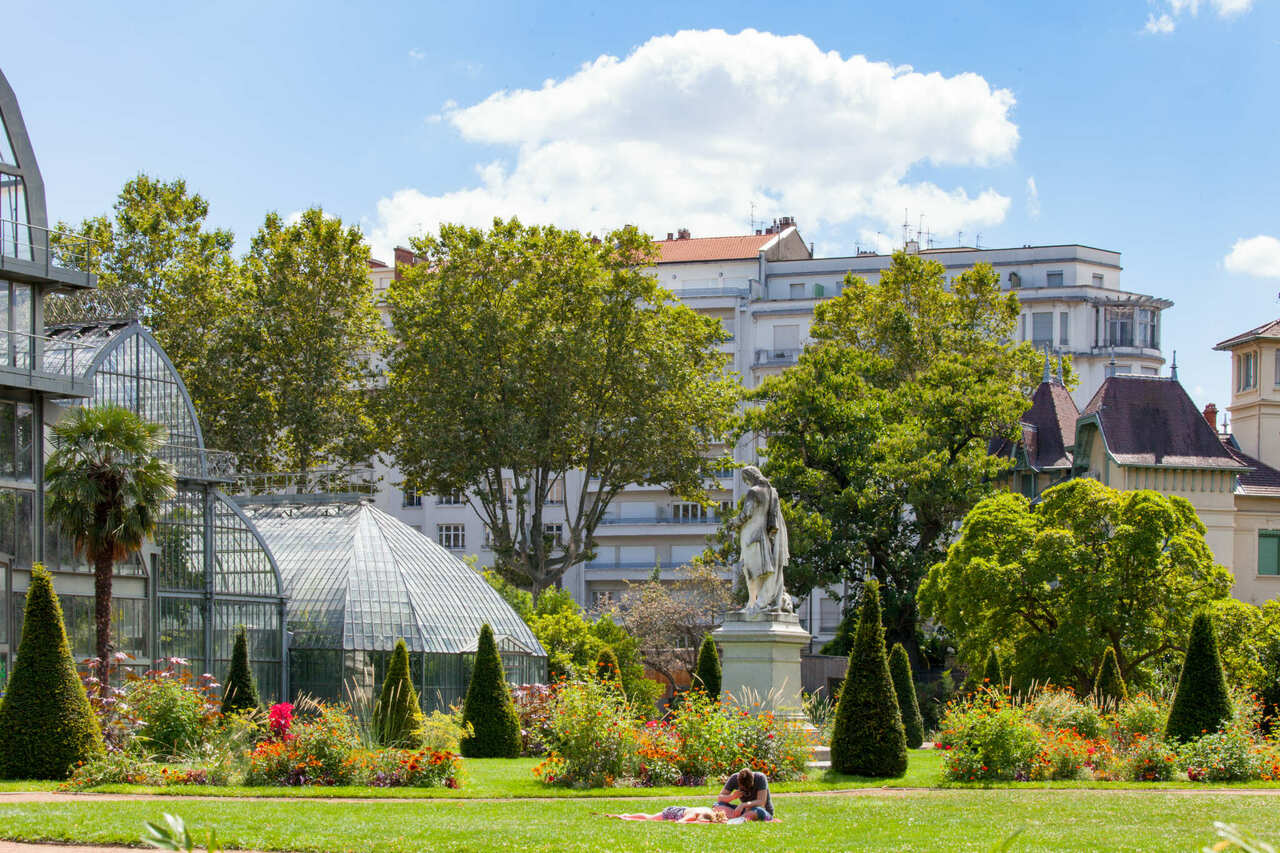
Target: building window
[[1053, 279], [1027, 485], [797, 290], [509, 489], [1277, 376], [1246, 371], [1097, 279], [452, 536], [553, 532], [688, 512], [1269, 552], [725, 509], [555, 494], [601, 598], [1147, 328], [1064, 328], [410, 497], [1119, 327], [1023, 333], [488, 538], [451, 499], [1042, 329]]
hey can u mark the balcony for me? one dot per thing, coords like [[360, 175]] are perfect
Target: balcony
[[41, 255], [776, 357], [197, 463], [661, 518], [55, 366]]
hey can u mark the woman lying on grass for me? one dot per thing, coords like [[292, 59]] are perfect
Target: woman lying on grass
[[678, 814]]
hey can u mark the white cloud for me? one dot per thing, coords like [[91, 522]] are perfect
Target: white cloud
[[1033, 199], [690, 129], [1257, 256], [417, 55], [1165, 22]]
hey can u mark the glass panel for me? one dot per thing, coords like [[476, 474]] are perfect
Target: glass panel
[[8, 438], [129, 624], [180, 633], [261, 621], [15, 525], [1042, 329], [180, 542], [15, 236], [6, 146]]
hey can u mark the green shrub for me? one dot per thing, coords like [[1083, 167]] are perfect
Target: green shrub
[[593, 738], [397, 716], [241, 693], [707, 672], [607, 667], [1229, 755], [443, 732], [1149, 759], [318, 751], [1140, 717], [987, 738], [488, 708], [1109, 689], [905, 687], [1052, 708], [174, 716], [868, 738], [993, 673], [46, 723], [1201, 704], [1064, 754]]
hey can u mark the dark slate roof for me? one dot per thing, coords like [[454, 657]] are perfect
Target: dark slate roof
[[1262, 480], [1148, 420], [1266, 330], [1048, 429]]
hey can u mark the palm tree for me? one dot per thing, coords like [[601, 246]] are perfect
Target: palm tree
[[104, 487]]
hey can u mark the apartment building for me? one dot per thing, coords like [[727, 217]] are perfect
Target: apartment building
[[763, 288]]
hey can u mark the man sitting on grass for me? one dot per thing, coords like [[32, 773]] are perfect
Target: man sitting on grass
[[751, 790]]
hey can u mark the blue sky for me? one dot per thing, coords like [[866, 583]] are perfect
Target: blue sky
[[1148, 127]]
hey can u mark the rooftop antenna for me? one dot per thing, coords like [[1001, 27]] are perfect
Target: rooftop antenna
[[1173, 371], [906, 224], [920, 230], [752, 228], [978, 241], [959, 239], [877, 242]]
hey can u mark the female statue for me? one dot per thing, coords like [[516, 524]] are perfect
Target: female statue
[[762, 541]]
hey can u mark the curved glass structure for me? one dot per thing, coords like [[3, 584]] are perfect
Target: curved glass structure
[[358, 579]]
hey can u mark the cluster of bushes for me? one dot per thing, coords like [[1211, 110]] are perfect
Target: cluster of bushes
[[594, 738]]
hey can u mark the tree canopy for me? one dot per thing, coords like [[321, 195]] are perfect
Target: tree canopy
[[1087, 568], [877, 438], [524, 352]]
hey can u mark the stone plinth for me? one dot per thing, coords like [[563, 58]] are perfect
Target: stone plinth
[[762, 652]]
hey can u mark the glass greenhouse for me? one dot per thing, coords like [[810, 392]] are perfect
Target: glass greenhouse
[[358, 579]]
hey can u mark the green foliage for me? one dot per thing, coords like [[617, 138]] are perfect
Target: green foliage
[[842, 643], [1085, 569], [908, 703], [1110, 689], [1140, 718], [46, 723], [707, 674], [104, 488], [488, 708], [592, 736], [521, 600], [1228, 755], [1149, 760], [1202, 704], [174, 716], [607, 666], [318, 752], [576, 359], [868, 739], [988, 738], [876, 439], [174, 835], [397, 717], [1058, 710], [992, 674], [241, 693]]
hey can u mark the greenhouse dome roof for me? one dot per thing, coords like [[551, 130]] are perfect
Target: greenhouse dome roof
[[359, 579]]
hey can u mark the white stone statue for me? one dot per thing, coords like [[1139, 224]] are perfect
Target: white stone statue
[[762, 542]]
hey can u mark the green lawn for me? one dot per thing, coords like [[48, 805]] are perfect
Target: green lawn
[[924, 820]]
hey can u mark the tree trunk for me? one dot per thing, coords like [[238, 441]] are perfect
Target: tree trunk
[[102, 566]]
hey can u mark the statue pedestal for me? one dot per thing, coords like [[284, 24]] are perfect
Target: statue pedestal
[[761, 652]]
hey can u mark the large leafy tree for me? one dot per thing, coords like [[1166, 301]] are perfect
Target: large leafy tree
[[877, 438], [105, 487], [524, 352], [1057, 583]]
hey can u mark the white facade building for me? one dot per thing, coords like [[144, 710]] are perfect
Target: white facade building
[[763, 288]]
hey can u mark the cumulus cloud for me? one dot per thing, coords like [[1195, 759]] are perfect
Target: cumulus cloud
[[691, 129], [1162, 25], [1165, 22], [1033, 199], [417, 55], [1256, 256]]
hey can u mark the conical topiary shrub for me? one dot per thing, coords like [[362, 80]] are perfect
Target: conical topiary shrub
[[397, 718], [607, 667], [706, 676], [868, 738], [908, 705], [46, 723], [240, 692], [992, 673], [1201, 704], [495, 727], [1109, 690]]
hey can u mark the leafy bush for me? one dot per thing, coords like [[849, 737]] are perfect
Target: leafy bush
[[592, 737], [1109, 688], [535, 703], [241, 691], [488, 708], [707, 674], [123, 768], [1202, 704], [316, 752], [658, 750], [46, 723], [174, 712], [443, 732], [986, 738], [397, 717], [1141, 716], [868, 739], [1057, 709], [1229, 755], [905, 688], [1064, 754], [607, 666], [1149, 759], [993, 673], [402, 768]]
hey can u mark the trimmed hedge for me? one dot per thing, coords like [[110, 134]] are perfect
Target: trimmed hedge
[[707, 673], [908, 705], [47, 725], [488, 708], [993, 673], [1202, 703], [607, 667], [241, 692], [868, 738], [1109, 688], [397, 718]]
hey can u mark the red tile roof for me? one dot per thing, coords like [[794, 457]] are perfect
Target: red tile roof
[[712, 248], [1266, 330]]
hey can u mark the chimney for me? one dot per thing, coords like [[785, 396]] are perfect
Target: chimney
[[683, 234], [1211, 415], [670, 235]]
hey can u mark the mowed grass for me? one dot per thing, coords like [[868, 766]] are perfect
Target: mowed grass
[[937, 820]]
